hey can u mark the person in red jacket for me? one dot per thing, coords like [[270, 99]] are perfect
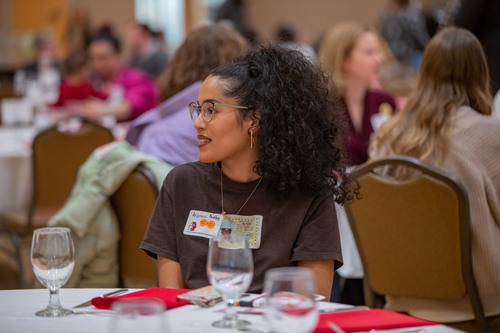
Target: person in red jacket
[[76, 86]]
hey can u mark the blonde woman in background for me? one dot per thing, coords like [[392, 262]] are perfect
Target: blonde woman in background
[[446, 123], [352, 54]]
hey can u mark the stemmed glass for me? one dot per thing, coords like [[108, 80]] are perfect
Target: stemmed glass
[[290, 305], [138, 315], [53, 259], [230, 271]]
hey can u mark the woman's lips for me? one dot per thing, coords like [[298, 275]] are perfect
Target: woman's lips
[[203, 140]]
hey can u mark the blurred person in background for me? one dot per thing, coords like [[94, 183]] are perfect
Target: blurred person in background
[[131, 92], [403, 28], [352, 53], [399, 80], [167, 131], [148, 53], [446, 123], [232, 13], [482, 18], [42, 76], [76, 86], [292, 37], [78, 33]]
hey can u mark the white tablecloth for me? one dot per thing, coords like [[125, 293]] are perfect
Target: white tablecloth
[[18, 307], [15, 167]]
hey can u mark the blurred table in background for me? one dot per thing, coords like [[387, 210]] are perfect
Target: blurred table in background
[[16, 138], [15, 167]]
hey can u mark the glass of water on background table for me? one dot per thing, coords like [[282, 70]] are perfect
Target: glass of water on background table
[[290, 305], [230, 271], [53, 259]]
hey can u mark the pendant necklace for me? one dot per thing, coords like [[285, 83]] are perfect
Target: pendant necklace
[[224, 214]]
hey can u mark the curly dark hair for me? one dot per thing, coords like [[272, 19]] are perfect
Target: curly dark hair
[[301, 120]]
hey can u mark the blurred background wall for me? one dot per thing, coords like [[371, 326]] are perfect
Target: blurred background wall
[[21, 19]]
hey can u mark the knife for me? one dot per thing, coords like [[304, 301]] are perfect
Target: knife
[[89, 302]]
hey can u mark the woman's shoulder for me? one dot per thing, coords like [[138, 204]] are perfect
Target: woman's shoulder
[[474, 136], [180, 101], [190, 171], [482, 123]]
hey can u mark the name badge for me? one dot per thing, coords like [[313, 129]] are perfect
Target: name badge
[[203, 224], [249, 226]]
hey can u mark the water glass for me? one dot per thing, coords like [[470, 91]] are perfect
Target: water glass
[[230, 271], [290, 305], [53, 259], [138, 315]]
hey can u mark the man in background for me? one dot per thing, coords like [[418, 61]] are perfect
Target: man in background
[[148, 54]]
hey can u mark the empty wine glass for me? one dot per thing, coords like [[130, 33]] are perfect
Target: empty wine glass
[[230, 271], [138, 315], [53, 259], [290, 305]]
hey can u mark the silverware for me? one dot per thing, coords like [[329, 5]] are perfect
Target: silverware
[[89, 302], [352, 308], [335, 328]]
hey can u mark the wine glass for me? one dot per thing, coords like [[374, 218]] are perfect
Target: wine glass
[[290, 305], [138, 315], [230, 271], [53, 259]]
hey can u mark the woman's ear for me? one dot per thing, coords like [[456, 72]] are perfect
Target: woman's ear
[[255, 121]]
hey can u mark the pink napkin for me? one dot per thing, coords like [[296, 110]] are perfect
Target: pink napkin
[[365, 320], [167, 295]]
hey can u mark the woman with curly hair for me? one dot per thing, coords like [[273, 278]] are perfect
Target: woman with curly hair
[[270, 159], [446, 123]]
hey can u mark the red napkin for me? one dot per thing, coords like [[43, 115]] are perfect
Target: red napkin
[[167, 295], [365, 320]]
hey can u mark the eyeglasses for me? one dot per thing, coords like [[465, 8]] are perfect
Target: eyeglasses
[[207, 109]]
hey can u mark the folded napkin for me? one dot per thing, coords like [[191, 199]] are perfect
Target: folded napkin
[[365, 320], [167, 295]]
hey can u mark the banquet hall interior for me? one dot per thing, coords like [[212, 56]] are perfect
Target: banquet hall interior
[[80, 78]]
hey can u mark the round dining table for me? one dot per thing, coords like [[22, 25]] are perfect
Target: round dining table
[[18, 307]]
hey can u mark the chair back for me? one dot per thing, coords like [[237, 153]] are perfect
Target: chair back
[[413, 232], [133, 203], [57, 157]]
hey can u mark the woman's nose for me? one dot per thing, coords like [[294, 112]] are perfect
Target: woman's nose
[[199, 122]]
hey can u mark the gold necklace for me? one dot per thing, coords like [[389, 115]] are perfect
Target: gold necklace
[[224, 214]]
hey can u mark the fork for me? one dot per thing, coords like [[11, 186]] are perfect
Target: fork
[[88, 303]]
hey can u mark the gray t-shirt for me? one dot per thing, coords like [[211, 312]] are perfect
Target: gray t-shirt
[[299, 227]]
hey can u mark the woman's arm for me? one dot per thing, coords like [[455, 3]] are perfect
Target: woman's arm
[[323, 273], [169, 273], [96, 109]]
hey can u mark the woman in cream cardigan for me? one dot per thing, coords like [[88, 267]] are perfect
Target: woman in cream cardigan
[[447, 123]]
